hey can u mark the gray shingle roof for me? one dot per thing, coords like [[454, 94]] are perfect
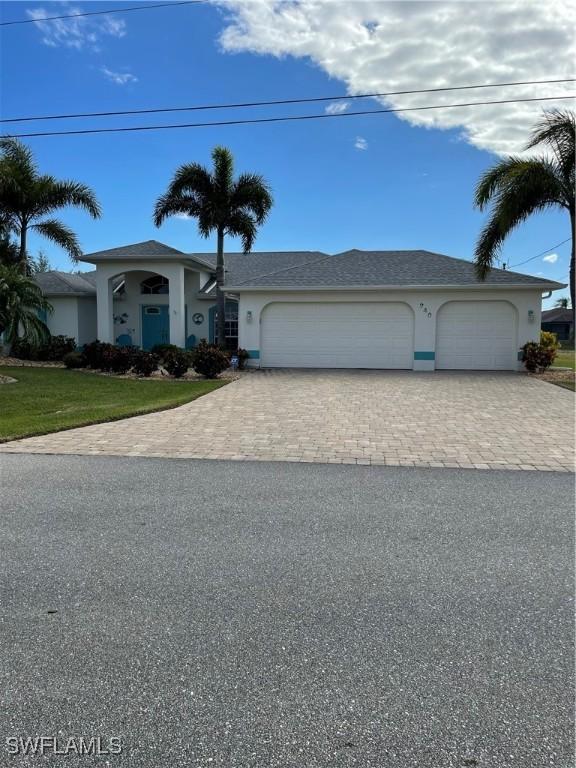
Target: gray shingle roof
[[310, 269], [557, 315], [383, 268], [243, 266], [148, 248], [55, 283]]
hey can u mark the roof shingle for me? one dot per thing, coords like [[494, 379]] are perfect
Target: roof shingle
[[356, 268], [56, 283]]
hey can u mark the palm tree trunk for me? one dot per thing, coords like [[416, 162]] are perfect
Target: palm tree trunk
[[23, 261], [572, 275], [220, 297]]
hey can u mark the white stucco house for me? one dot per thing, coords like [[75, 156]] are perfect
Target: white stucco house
[[358, 309]]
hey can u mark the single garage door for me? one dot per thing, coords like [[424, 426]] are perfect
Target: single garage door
[[337, 335], [476, 335]]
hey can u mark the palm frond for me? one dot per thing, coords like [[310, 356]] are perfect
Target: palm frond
[[557, 129], [242, 225], [53, 194], [169, 205], [494, 179], [191, 179], [251, 193], [18, 155], [61, 235], [223, 170], [20, 302], [508, 212]]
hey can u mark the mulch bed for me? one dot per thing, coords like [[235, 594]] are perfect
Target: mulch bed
[[15, 361], [159, 374]]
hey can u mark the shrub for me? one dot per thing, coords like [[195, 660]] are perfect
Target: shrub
[[537, 357], [74, 360], [93, 352], [116, 359], [177, 362], [56, 347], [549, 340], [144, 363], [209, 360], [24, 350], [164, 350]]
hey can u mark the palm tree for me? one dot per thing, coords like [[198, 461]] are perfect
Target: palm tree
[[517, 187], [21, 300], [26, 198], [562, 303], [228, 206]]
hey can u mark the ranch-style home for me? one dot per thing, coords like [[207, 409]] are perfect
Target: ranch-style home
[[358, 309]]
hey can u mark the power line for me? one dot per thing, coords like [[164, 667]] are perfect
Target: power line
[[102, 13], [277, 102], [540, 254], [294, 118]]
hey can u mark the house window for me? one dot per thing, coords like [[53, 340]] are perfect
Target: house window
[[155, 284], [230, 324]]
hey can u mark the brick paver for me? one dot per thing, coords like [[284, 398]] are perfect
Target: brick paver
[[440, 419]]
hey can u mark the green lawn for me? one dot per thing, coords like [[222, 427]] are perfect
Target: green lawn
[[50, 399], [565, 359]]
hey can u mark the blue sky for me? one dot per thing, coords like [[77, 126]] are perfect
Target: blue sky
[[373, 182]]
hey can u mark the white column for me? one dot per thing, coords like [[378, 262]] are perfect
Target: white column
[[424, 333], [177, 307], [104, 308]]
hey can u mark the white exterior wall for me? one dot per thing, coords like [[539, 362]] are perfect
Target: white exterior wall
[[63, 320], [86, 320], [424, 303]]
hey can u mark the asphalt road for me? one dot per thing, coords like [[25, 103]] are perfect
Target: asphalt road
[[286, 615]]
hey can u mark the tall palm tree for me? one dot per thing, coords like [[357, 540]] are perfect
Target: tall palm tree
[[26, 198], [517, 187], [20, 302], [222, 204]]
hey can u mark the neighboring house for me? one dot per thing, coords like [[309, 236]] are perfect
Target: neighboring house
[[358, 309], [558, 321]]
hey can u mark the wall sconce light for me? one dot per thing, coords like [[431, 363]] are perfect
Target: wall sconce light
[[530, 315], [249, 316]]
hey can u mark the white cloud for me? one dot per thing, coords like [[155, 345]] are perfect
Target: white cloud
[[552, 258], [120, 78], [183, 216], [376, 46], [361, 143], [337, 107], [83, 33]]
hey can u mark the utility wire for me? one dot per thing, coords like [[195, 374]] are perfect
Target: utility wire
[[294, 118], [540, 254], [277, 102], [102, 13]]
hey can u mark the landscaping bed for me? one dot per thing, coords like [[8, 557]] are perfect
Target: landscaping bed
[[48, 399], [17, 362]]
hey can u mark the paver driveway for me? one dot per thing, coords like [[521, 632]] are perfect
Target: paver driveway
[[486, 421]]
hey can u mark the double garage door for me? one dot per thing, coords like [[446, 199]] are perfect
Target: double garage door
[[478, 335], [338, 335]]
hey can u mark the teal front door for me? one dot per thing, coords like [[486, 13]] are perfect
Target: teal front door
[[155, 325]]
